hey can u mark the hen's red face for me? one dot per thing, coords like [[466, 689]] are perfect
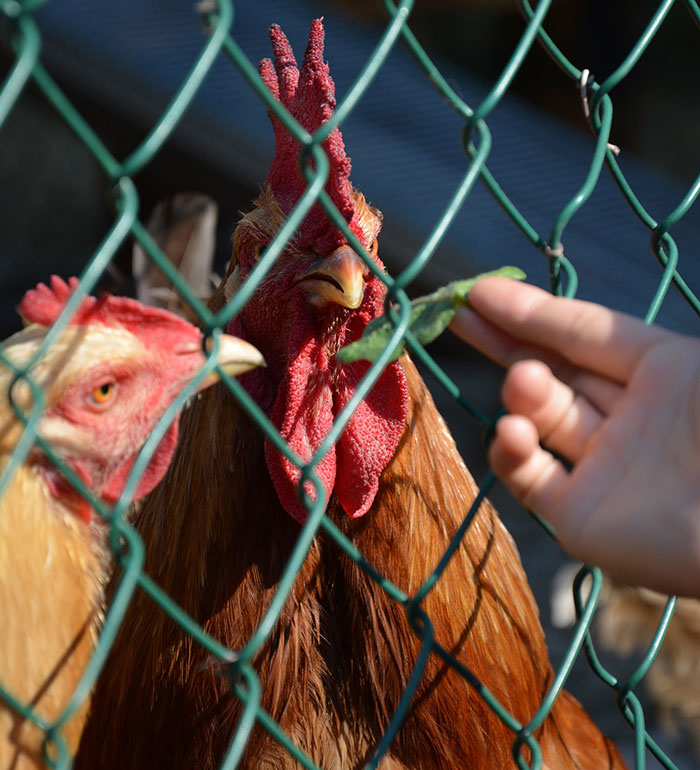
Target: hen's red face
[[116, 391], [107, 380]]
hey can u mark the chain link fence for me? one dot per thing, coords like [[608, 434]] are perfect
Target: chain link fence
[[475, 140]]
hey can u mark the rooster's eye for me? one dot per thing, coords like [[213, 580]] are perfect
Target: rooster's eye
[[257, 250], [103, 394]]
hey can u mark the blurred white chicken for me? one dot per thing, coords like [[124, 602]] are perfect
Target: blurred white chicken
[[184, 227], [625, 622]]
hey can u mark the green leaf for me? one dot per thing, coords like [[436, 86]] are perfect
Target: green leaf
[[430, 316]]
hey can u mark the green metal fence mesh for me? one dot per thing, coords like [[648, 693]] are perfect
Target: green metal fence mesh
[[476, 142]]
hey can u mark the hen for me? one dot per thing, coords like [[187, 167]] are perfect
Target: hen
[[626, 620], [334, 667], [107, 380]]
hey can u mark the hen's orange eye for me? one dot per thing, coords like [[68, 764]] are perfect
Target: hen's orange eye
[[103, 393]]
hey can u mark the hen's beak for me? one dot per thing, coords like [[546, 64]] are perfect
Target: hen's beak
[[235, 357], [337, 279]]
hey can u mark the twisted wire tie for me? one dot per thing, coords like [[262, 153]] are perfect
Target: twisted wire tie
[[553, 253], [585, 84]]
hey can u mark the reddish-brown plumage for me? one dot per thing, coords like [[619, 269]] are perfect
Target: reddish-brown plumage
[[338, 660], [218, 535]]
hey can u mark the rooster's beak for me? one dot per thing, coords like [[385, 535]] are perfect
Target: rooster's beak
[[337, 279]]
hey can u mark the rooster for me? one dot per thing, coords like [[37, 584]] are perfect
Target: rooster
[[335, 666], [107, 380]]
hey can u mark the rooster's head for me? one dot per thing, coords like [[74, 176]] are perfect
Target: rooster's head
[[319, 296]]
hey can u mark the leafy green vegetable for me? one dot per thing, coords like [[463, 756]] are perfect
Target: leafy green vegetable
[[430, 316]]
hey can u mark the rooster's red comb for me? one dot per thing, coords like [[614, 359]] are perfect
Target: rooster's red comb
[[155, 327], [309, 95]]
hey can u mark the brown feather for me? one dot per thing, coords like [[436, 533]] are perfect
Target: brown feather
[[340, 656]]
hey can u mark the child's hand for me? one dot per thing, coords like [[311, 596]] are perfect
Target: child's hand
[[618, 399]]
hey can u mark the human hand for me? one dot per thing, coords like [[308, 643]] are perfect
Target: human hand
[[620, 401]]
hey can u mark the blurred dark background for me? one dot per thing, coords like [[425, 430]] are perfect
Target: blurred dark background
[[121, 63]]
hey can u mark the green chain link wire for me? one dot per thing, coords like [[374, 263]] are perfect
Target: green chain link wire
[[476, 143]]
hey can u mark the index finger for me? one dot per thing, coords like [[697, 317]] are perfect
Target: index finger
[[588, 335]]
